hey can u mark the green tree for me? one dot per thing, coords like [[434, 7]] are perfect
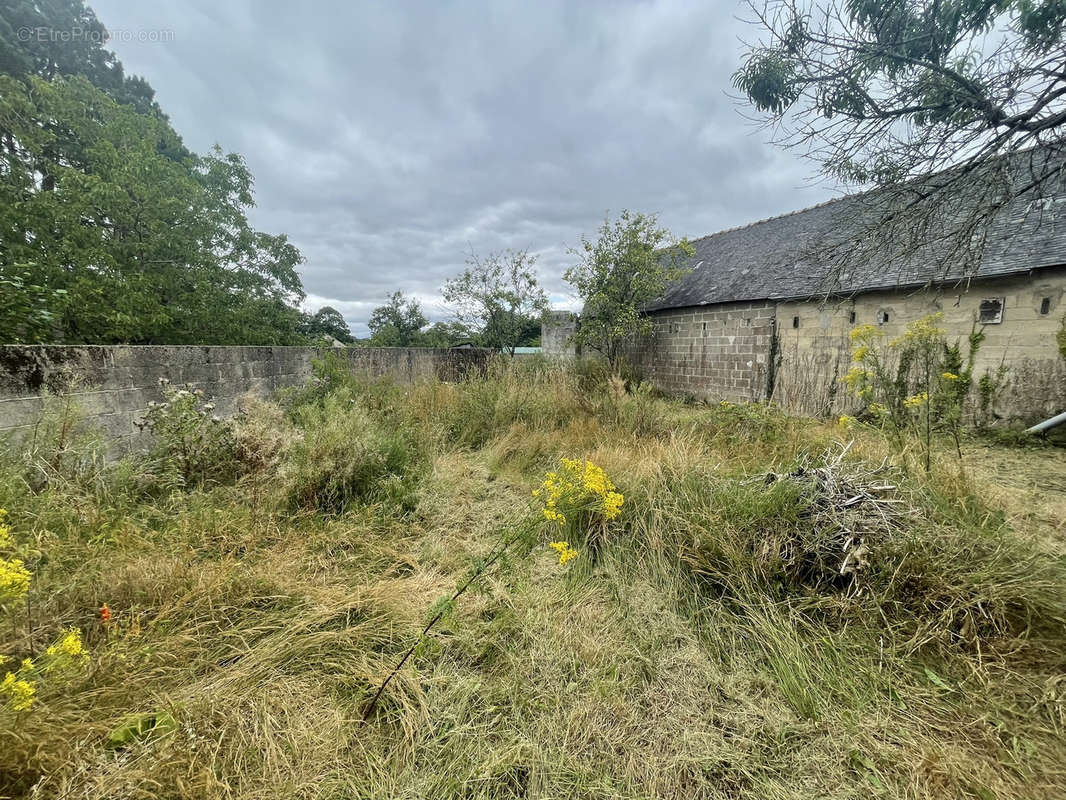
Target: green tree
[[625, 269], [62, 38], [24, 308], [953, 108], [328, 321], [132, 241], [445, 334], [497, 295], [397, 323]]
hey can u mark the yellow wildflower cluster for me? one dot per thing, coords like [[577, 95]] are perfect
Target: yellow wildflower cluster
[[949, 376], [864, 334], [924, 331], [565, 551], [66, 653], [846, 421], [878, 409], [916, 400], [580, 485], [18, 689], [14, 577], [858, 380]]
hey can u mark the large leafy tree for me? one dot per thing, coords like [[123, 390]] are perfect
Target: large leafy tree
[[133, 240], [626, 268], [61, 38], [328, 321], [498, 295], [955, 109], [398, 323]]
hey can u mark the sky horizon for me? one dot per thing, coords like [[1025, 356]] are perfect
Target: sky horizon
[[389, 142]]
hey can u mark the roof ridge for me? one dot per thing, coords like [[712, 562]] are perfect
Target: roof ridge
[[873, 190]]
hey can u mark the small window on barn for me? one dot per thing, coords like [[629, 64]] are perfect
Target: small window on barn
[[882, 317], [1045, 305], [991, 311], [704, 328], [851, 318], [795, 322]]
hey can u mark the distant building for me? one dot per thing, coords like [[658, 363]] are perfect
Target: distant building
[[751, 321]]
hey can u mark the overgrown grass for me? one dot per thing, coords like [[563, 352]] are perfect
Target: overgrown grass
[[711, 647]]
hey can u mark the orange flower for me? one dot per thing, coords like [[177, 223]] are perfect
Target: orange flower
[[105, 613]]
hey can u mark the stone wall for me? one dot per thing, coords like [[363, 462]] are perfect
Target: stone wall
[[114, 384], [720, 352]]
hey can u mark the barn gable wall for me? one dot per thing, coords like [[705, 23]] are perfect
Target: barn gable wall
[[719, 352]]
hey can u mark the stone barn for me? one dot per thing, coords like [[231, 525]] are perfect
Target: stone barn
[[751, 319]]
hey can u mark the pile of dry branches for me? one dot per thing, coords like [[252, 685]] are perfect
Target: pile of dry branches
[[850, 508]]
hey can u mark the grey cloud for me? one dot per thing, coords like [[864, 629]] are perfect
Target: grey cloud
[[388, 140]]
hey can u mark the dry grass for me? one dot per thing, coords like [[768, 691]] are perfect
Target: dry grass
[[700, 655]]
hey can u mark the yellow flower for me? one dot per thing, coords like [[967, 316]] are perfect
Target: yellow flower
[[552, 515], [878, 409], [861, 353], [916, 400], [846, 421], [856, 376], [565, 551], [14, 580], [922, 332], [612, 504], [949, 376], [579, 485], [69, 646], [20, 693]]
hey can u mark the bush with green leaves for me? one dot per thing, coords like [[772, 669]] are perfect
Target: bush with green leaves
[[918, 383], [345, 456], [191, 442]]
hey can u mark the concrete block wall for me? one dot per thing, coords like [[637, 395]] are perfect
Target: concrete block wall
[[114, 384], [815, 350], [556, 334], [715, 353]]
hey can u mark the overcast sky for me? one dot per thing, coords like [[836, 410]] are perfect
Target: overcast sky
[[387, 139]]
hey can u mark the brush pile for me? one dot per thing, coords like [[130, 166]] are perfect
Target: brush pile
[[847, 510]]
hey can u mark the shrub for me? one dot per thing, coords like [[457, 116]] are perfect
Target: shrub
[[344, 456], [62, 448], [329, 372], [919, 383], [190, 441]]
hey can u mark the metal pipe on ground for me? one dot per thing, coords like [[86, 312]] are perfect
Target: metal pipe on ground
[[1048, 424]]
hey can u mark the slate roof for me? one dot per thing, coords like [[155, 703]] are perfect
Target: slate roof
[[778, 258]]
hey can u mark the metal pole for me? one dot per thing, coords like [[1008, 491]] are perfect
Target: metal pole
[[1048, 424]]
